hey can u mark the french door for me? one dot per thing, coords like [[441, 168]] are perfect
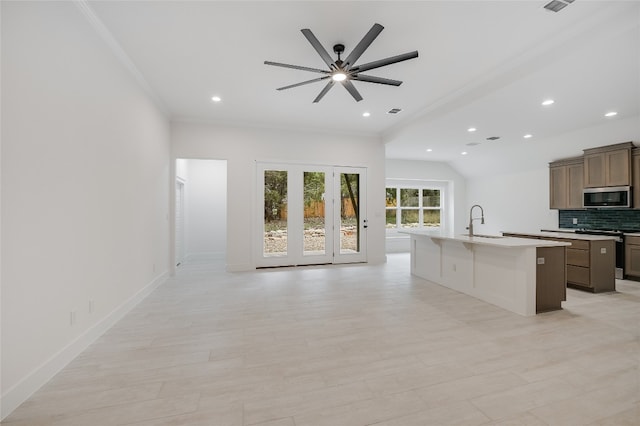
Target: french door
[[350, 218], [310, 215]]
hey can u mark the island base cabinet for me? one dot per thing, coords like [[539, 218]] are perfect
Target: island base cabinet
[[551, 290]]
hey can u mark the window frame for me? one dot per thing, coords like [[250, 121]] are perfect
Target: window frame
[[420, 186]]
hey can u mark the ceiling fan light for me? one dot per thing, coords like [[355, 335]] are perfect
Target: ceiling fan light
[[339, 76]]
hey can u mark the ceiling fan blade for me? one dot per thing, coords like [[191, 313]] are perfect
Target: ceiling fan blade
[[321, 50], [384, 62], [296, 67], [303, 83], [324, 91], [352, 89], [362, 46], [372, 79]]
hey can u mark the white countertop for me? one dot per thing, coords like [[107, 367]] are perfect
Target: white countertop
[[497, 241], [565, 234]]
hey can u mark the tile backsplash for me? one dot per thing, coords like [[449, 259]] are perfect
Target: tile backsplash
[[627, 219]]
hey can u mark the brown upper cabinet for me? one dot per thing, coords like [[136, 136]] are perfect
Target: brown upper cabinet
[[636, 177], [566, 184], [608, 165]]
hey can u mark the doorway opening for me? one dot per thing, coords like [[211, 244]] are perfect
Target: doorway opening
[[201, 212]]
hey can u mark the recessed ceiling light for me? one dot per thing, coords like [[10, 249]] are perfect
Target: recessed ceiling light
[[611, 114], [471, 129], [548, 102], [473, 143], [527, 136], [216, 99], [429, 150], [464, 153], [339, 76], [366, 114]]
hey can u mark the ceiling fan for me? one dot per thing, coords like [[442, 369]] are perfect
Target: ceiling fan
[[346, 71]]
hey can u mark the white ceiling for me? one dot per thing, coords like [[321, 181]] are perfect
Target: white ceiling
[[487, 64]]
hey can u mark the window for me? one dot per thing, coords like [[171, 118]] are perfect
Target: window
[[414, 207]]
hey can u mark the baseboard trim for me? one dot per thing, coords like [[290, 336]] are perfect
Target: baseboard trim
[[205, 256], [20, 392], [377, 260], [239, 267]]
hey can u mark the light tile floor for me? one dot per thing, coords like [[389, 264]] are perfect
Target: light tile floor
[[348, 345]]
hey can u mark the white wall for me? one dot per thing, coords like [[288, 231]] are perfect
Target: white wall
[[242, 147], [205, 209], [512, 202], [85, 192]]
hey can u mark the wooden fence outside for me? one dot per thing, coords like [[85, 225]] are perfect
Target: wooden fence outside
[[317, 209]]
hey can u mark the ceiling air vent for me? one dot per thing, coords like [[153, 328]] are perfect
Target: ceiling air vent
[[473, 143], [394, 111], [493, 138], [557, 5]]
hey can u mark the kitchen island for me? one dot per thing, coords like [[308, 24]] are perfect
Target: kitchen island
[[525, 276]]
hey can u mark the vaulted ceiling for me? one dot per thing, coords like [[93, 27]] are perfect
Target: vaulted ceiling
[[482, 64]]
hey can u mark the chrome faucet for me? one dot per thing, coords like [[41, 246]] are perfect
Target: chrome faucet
[[471, 218]]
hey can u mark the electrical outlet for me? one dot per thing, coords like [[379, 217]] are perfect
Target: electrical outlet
[[575, 220], [603, 250], [541, 261]]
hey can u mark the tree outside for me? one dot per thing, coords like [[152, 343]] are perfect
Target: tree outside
[[276, 212]]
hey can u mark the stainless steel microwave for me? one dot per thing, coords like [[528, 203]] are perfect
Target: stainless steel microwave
[[609, 197]]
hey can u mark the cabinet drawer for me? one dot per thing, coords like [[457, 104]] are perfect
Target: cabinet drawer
[[632, 240], [578, 275], [579, 244], [577, 257]]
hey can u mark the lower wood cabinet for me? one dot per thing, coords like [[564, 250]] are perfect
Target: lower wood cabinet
[[632, 257], [591, 264], [551, 290]]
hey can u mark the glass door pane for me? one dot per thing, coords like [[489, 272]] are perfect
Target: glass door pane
[[275, 235], [350, 215], [314, 242]]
